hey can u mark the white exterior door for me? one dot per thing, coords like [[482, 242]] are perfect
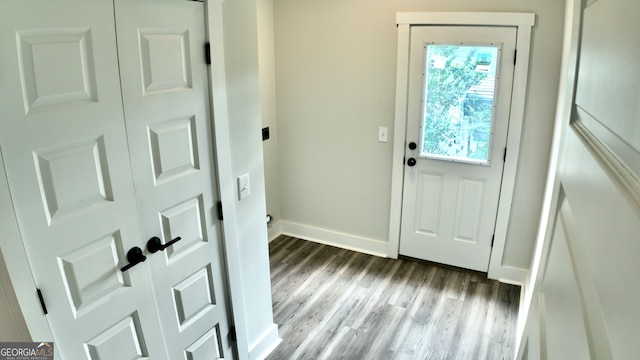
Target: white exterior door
[[459, 92], [69, 155], [169, 125]]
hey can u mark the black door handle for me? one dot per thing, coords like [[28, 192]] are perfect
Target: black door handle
[[134, 257], [411, 162], [155, 244]]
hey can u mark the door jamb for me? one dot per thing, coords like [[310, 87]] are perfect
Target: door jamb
[[523, 22], [29, 320], [224, 170]]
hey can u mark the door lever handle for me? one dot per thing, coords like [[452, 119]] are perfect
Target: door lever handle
[[155, 244], [134, 257]]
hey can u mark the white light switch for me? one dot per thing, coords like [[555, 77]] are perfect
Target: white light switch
[[244, 187], [383, 134]]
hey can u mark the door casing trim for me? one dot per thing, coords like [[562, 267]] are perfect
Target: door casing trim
[[523, 22]]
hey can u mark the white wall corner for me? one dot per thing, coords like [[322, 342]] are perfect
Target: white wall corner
[[275, 230], [553, 193], [266, 344]]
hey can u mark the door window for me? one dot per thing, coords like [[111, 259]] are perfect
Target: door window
[[458, 102]]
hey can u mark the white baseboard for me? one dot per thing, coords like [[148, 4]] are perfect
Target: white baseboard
[[334, 238], [523, 312], [267, 343], [275, 230], [504, 274], [509, 275]]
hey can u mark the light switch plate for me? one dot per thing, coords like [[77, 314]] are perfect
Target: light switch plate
[[383, 134], [244, 187]]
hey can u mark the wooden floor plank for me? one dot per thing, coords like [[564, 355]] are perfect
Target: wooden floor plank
[[333, 303]]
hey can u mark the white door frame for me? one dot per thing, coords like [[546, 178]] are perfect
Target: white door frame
[[523, 22], [18, 271]]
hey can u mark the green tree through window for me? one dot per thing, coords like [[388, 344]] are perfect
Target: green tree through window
[[459, 100]]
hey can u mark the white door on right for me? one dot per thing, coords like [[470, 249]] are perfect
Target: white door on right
[[161, 47], [460, 81]]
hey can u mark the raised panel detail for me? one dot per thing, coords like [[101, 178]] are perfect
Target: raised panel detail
[[73, 177], [165, 58], [607, 88], [207, 347], [174, 149], [56, 67], [565, 330], [187, 221], [429, 202], [194, 296], [470, 202], [91, 274], [122, 341]]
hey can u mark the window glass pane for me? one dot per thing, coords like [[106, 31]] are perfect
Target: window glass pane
[[458, 102]]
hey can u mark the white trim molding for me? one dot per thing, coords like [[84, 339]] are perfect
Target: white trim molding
[[267, 343], [333, 238], [275, 230], [523, 22], [467, 18], [15, 274]]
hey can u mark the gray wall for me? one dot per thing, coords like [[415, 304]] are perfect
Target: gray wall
[[335, 80]]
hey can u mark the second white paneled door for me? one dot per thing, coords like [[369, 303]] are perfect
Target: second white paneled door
[[165, 85]]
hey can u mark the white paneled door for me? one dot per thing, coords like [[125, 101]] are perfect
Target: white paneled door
[[107, 142], [169, 126], [459, 91]]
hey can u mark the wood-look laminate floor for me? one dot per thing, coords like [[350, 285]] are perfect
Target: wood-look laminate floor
[[332, 303]]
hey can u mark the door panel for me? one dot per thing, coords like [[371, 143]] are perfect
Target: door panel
[[67, 164], [560, 298], [450, 195], [468, 213], [165, 91], [428, 211], [206, 347]]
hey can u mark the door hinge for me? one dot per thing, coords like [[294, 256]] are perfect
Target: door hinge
[[41, 298], [232, 334], [207, 53], [515, 56], [504, 157], [493, 238], [220, 215]]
